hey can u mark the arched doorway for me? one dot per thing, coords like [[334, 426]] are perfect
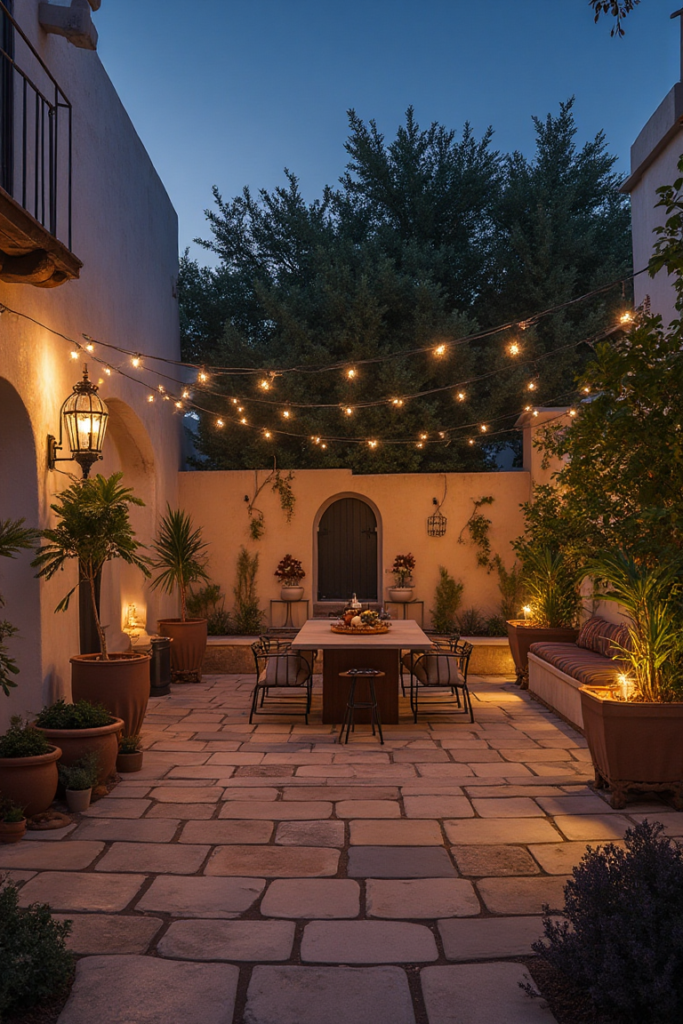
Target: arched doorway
[[18, 585], [347, 551]]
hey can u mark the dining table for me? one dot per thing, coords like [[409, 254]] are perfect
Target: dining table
[[344, 651]]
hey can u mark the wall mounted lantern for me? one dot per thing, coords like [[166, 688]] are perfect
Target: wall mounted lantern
[[436, 524], [84, 417]]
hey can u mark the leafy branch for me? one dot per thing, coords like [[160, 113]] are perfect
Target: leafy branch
[[478, 526], [617, 8], [282, 485]]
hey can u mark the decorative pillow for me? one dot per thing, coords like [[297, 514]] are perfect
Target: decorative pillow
[[615, 636], [591, 635]]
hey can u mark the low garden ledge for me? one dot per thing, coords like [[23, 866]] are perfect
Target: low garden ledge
[[232, 654]]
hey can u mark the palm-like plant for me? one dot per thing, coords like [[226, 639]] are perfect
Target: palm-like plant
[[13, 537], [651, 596], [181, 558], [93, 527], [551, 581]]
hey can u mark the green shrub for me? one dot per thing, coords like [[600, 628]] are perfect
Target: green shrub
[[247, 615], [208, 603], [10, 812], [496, 625], [471, 622], [447, 598], [622, 940], [35, 964], [81, 715], [81, 775], [129, 744], [22, 740]]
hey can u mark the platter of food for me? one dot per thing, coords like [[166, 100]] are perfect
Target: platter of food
[[367, 622]]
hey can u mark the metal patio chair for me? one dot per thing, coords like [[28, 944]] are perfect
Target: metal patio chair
[[282, 670], [441, 641], [440, 670]]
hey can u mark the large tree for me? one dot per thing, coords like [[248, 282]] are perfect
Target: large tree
[[427, 239]]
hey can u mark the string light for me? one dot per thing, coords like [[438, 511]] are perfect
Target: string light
[[166, 398], [234, 401], [419, 444], [160, 388], [470, 440], [178, 405], [74, 355], [440, 350], [348, 411], [220, 423], [285, 412], [423, 437], [351, 373], [586, 391], [461, 396], [531, 386], [323, 446], [626, 318], [186, 394], [136, 361], [267, 434], [397, 402], [244, 422], [107, 371], [150, 398], [240, 408], [535, 412], [483, 428], [264, 385], [90, 347], [528, 408], [441, 434], [372, 444], [514, 349], [572, 412], [202, 377]]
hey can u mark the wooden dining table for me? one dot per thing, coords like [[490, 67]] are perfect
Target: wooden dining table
[[374, 650]]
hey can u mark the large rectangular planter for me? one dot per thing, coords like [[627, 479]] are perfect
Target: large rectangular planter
[[634, 746]]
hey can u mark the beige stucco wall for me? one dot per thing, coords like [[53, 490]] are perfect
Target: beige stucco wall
[[402, 502], [125, 232]]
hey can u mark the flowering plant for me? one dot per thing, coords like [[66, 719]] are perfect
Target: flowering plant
[[290, 571], [402, 569]]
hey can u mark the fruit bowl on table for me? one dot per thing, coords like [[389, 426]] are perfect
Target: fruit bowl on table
[[379, 627]]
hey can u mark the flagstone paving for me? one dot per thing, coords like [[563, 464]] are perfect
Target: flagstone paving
[[265, 874]]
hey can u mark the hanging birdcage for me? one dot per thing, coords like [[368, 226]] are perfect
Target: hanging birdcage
[[436, 524]]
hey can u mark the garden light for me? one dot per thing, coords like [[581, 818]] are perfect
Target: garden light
[[84, 416]]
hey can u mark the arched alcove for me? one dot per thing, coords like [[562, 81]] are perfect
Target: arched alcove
[[128, 449], [18, 585], [347, 549]]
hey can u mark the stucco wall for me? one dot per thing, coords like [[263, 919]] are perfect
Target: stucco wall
[[125, 232], [403, 502]]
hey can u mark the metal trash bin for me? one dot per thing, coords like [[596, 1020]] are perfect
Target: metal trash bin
[[160, 666]]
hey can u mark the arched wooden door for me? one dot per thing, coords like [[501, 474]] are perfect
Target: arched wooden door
[[347, 551]]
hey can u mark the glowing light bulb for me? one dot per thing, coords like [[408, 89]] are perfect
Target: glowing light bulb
[[267, 434], [264, 385], [483, 428], [470, 440], [372, 444], [107, 371], [526, 610], [161, 389], [317, 440], [90, 347], [202, 377], [527, 408], [74, 354], [586, 391], [323, 446], [514, 349], [240, 409], [186, 393], [441, 434], [348, 411], [150, 398], [440, 350], [398, 402], [234, 401], [626, 318], [220, 423], [535, 412], [286, 413], [461, 396], [531, 386], [178, 405], [572, 412], [423, 437], [351, 373], [136, 361], [419, 445], [243, 421]]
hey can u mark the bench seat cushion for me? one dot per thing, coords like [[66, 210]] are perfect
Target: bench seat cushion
[[587, 667]]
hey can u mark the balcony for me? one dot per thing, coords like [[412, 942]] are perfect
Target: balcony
[[35, 166]]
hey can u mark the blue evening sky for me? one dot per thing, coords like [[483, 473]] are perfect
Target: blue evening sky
[[228, 93]]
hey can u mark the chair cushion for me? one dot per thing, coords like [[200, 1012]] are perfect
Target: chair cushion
[[284, 671], [436, 670], [603, 637], [589, 668]]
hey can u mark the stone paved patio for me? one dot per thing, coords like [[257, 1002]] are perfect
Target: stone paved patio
[[266, 874]]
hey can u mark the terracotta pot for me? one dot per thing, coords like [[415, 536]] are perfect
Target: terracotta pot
[[121, 684], [401, 595], [129, 762], [30, 782], [78, 800], [522, 635], [634, 746], [188, 647], [78, 743], [12, 831], [291, 593]]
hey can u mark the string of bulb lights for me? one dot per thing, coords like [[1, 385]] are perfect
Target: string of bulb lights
[[183, 401]]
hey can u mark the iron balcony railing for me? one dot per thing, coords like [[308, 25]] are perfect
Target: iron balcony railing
[[35, 132]]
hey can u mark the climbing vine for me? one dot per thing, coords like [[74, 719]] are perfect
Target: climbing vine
[[509, 581], [478, 526], [282, 485]]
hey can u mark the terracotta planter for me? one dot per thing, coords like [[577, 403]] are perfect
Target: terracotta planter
[[129, 762], [78, 743], [401, 595], [30, 782], [522, 635], [121, 684], [634, 746], [78, 800], [187, 649], [12, 831], [291, 593]]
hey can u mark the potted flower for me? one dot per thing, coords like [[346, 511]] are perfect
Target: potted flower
[[180, 562], [93, 528], [551, 581], [28, 767], [81, 729], [634, 729], [130, 755], [290, 574], [78, 781], [402, 571], [12, 822]]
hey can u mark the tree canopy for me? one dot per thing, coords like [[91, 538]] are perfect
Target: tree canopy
[[426, 239]]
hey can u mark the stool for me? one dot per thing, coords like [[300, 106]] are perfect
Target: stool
[[354, 674]]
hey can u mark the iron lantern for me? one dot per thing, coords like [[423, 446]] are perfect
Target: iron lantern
[[84, 416]]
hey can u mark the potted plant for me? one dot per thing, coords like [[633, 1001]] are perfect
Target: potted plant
[[93, 528], [28, 767], [634, 730], [12, 822], [290, 574], [180, 562], [402, 571], [130, 755], [78, 781], [81, 729], [551, 581]]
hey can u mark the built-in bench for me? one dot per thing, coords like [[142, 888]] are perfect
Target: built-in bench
[[232, 654], [556, 671]]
